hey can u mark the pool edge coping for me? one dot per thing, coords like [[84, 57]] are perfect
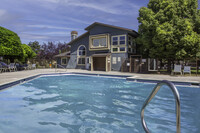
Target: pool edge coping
[[127, 77]]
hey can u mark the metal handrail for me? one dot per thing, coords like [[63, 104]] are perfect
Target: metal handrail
[[59, 66], [153, 93]]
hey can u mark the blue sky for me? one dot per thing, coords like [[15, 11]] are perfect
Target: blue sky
[[53, 20]]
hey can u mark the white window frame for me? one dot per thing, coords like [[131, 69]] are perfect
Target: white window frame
[[118, 46], [114, 60], [132, 46], [81, 56], [99, 36], [62, 61]]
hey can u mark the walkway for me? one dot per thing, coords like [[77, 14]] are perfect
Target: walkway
[[9, 77]]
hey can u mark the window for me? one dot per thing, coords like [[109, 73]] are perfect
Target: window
[[99, 42], [131, 45], [122, 49], [114, 60], [118, 43], [115, 41], [119, 40], [122, 40], [88, 60], [119, 59], [115, 49], [81, 61], [81, 53], [118, 49], [63, 61]]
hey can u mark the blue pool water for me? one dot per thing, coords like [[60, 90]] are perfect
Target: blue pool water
[[89, 104]]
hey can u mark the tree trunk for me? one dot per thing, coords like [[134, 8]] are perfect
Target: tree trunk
[[169, 70], [11, 60]]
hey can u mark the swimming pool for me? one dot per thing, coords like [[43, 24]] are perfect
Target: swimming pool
[[77, 103]]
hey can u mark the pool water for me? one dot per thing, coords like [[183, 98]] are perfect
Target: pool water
[[92, 104]]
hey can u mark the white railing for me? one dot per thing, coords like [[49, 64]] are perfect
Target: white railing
[[177, 98], [56, 67]]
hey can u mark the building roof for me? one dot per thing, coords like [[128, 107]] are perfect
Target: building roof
[[65, 54], [107, 25]]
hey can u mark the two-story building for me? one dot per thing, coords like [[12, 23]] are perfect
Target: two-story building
[[103, 48]]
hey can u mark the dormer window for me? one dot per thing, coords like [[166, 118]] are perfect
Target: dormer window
[[99, 42]]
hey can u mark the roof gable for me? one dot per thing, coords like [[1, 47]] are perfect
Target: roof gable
[[106, 25]]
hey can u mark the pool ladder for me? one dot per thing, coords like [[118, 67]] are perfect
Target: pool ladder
[[153, 93]]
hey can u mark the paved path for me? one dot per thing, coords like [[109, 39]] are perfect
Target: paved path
[[9, 77]]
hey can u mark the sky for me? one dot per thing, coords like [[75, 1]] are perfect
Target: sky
[[53, 20]]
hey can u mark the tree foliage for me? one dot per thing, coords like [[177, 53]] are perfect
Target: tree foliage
[[35, 46], [170, 29], [50, 49], [10, 44], [28, 53]]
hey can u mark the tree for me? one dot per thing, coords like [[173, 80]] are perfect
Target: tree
[[49, 50], [28, 52], [62, 47], [35, 46], [10, 44], [169, 29]]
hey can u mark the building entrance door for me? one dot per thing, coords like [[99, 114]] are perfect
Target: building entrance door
[[99, 63]]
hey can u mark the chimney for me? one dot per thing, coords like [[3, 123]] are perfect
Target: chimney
[[74, 35]]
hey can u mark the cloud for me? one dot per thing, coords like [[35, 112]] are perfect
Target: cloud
[[7, 17], [52, 27], [2, 12], [104, 6], [43, 38], [45, 20]]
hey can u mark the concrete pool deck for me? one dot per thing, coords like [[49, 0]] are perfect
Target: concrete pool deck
[[9, 77]]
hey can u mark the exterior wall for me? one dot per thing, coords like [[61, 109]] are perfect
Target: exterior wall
[[116, 65], [73, 57]]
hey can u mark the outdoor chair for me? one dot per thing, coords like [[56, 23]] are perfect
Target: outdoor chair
[[1, 68], [4, 66], [29, 66], [33, 66], [177, 69], [187, 69], [25, 66], [12, 67]]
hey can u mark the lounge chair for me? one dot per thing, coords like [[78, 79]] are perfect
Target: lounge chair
[[12, 67], [25, 66], [4, 66], [1, 68], [33, 66], [29, 66], [177, 69], [187, 69]]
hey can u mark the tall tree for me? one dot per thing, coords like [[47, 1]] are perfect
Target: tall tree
[[35, 46], [10, 44], [28, 53], [169, 29]]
